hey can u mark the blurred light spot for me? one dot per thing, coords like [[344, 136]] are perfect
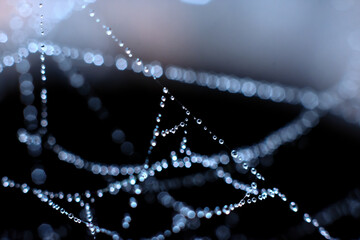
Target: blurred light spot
[[23, 52], [127, 148], [24, 9], [16, 23], [33, 47], [3, 37], [88, 57], [77, 80], [118, 136], [309, 100], [94, 103], [156, 71], [98, 60], [248, 89], [8, 61], [23, 66], [26, 88], [223, 233], [38, 176], [121, 64], [30, 113], [136, 68]]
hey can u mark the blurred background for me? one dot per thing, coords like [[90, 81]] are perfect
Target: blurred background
[[294, 42], [312, 45]]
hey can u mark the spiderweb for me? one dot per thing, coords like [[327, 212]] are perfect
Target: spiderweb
[[183, 152]]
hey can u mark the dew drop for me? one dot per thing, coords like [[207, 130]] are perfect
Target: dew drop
[[121, 44], [108, 31], [315, 223], [138, 61], [198, 121], [153, 142], [91, 13], [156, 132], [245, 166], [234, 154], [40, 5], [165, 90], [307, 218], [293, 207], [214, 137], [221, 141], [128, 51], [146, 69], [162, 104]]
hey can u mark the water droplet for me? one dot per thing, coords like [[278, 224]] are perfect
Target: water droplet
[[293, 207], [198, 121], [156, 132], [234, 154], [133, 202], [315, 223], [254, 185], [108, 31], [253, 171], [40, 5], [245, 166], [153, 142], [146, 69], [162, 104], [138, 61], [91, 13], [307, 218], [128, 51], [163, 98], [172, 98], [165, 90], [214, 137], [221, 141]]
